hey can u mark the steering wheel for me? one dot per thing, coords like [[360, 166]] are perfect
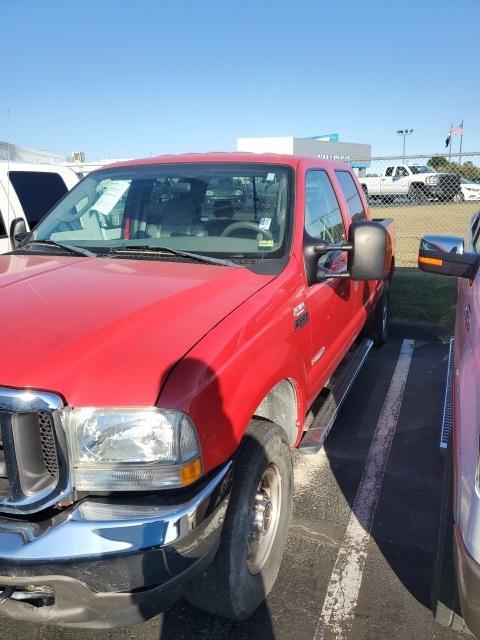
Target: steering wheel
[[245, 224]]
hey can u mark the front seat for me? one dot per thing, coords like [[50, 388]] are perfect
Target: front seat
[[177, 218]]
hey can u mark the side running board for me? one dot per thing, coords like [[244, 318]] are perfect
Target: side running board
[[320, 427], [447, 420]]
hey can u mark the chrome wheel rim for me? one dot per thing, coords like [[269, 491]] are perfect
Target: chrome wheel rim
[[264, 519]]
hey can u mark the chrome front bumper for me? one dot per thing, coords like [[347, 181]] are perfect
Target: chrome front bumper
[[107, 564]]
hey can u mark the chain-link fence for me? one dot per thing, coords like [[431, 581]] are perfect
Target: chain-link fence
[[425, 194]]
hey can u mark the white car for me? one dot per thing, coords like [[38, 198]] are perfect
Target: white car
[[469, 190], [28, 191]]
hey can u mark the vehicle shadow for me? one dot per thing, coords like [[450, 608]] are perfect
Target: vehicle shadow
[[405, 526], [182, 619]]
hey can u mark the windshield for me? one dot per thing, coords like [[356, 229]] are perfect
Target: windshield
[[420, 169], [220, 210]]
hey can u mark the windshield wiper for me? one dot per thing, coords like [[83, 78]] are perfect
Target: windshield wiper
[[79, 251], [174, 252]]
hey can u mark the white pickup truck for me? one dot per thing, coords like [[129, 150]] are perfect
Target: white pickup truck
[[419, 183], [28, 191]]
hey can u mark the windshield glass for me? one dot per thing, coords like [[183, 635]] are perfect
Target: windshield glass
[[220, 210], [420, 169]]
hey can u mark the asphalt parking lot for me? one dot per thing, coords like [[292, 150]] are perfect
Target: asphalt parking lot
[[387, 594]]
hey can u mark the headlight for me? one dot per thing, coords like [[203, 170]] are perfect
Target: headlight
[[431, 180], [131, 449]]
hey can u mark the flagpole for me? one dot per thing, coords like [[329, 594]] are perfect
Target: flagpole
[[450, 144], [461, 139]]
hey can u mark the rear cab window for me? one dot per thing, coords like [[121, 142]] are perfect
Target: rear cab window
[[37, 192], [352, 196]]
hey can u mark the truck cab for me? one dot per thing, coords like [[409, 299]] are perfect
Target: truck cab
[[171, 323], [28, 191]]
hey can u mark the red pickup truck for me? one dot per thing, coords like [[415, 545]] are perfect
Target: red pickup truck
[[171, 330]]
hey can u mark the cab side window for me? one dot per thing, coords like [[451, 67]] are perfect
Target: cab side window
[[401, 172], [37, 192], [352, 197], [323, 219], [389, 171]]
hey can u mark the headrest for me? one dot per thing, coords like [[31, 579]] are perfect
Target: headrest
[[223, 209]]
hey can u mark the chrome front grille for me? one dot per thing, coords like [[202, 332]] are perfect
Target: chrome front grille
[[47, 438], [33, 460], [4, 483]]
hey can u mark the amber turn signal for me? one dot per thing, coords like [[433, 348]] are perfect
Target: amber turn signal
[[191, 472], [436, 262]]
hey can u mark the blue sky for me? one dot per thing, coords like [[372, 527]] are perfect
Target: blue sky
[[118, 78]]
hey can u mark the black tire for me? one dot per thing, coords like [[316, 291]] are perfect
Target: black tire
[[377, 327], [228, 587], [417, 195], [445, 601]]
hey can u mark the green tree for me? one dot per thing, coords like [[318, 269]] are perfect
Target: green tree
[[438, 161]]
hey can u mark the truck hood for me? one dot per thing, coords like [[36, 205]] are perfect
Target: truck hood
[[106, 332]]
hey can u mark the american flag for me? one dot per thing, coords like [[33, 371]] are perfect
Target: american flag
[[457, 131]]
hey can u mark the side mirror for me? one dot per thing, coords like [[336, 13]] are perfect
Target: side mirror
[[370, 257], [369, 250], [18, 231], [445, 255]]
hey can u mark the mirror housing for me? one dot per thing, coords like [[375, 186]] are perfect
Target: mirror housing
[[18, 231], [370, 257], [446, 256], [370, 254]]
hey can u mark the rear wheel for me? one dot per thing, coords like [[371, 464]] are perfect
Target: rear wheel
[[378, 324], [255, 529]]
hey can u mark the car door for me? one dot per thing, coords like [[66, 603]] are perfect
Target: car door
[[386, 183], [467, 404], [401, 180], [330, 301]]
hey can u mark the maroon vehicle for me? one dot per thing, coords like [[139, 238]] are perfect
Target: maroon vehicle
[[457, 592]]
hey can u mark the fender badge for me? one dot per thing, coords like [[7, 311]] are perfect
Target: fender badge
[[318, 355], [298, 310]]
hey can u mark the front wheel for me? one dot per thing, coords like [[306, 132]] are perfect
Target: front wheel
[[417, 195], [254, 533]]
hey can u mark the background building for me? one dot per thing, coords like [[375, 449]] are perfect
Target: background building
[[327, 146]]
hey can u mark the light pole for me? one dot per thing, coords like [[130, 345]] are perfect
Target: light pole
[[404, 133]]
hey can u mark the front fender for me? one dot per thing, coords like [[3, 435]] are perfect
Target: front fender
[[224, 378]]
